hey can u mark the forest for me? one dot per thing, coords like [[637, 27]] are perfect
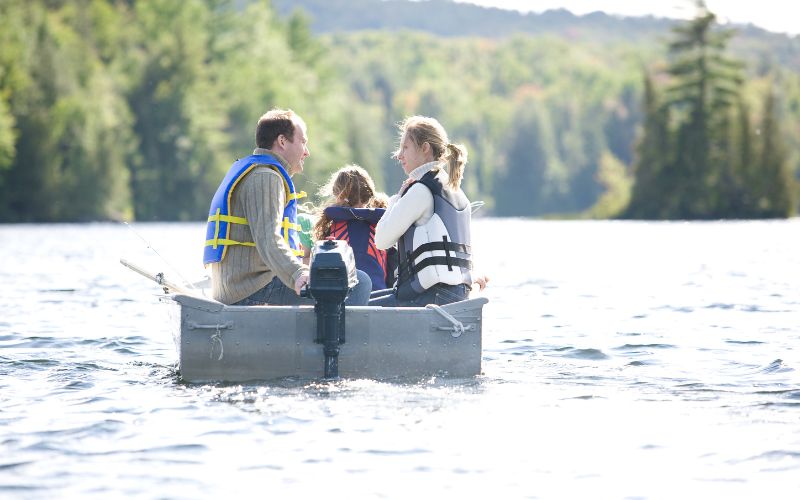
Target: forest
[[134, 110]]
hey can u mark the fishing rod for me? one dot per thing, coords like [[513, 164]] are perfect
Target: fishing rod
[[157, 277]]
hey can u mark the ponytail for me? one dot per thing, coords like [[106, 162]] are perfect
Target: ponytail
[[456, 158], [422, 129]]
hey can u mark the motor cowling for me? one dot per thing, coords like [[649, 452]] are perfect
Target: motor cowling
[[332, 275], [333, 270]]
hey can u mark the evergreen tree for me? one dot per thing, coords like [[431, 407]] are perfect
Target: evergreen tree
[[702, 163], [715, 170], [174, 102], [739, 177], [706, 85], [11, 80], [653, 154], [774, 195], [521, 188], [69, 128]]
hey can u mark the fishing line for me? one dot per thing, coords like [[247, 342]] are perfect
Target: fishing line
[[178, 274]]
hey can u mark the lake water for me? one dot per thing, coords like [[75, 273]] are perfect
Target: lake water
[[621, 360]]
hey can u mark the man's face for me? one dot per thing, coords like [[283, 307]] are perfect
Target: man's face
[[296, 151]]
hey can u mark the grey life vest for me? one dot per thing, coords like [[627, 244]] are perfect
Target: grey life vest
[[438, 251]]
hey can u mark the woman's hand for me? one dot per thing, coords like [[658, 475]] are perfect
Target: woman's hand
[[481, 281]]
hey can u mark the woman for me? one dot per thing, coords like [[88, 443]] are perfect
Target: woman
[[429, 219]]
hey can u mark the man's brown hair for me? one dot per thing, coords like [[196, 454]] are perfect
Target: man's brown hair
[[274, 123]]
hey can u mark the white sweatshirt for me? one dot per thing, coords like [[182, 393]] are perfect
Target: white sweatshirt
[[415, 207]]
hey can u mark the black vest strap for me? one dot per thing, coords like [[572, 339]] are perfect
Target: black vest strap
[[445, 246], [405, 274]]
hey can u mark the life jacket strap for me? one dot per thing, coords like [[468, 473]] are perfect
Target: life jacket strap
[[227, 218], [406, 272], [218, 217], [407, 269], [224, 241], [286, 225], [444, 246]]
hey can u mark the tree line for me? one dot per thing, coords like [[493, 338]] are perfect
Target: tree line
[[700, 156], [134, 110]]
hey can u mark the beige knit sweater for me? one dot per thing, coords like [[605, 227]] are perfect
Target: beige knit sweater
[[260, 197]]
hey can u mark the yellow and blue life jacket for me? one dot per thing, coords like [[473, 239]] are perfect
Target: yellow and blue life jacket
[[220, 218]]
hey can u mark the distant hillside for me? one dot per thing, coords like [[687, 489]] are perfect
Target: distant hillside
[[445, 18], [449, 19], [550, 105]]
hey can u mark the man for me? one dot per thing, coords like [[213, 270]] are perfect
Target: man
[[252, 242]]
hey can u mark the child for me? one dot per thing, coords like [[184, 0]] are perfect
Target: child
[[306, 220], [354, 209]]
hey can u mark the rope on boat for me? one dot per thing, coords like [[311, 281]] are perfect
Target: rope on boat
[[216, 339], [457, 328]]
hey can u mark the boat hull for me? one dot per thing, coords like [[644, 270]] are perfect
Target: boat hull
[[216, 342]]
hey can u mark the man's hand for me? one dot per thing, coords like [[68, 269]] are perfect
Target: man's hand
[[301, 281]]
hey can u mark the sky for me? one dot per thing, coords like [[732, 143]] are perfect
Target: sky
[[772, 15]]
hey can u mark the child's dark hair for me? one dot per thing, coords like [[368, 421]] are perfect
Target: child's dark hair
[[349, 186]]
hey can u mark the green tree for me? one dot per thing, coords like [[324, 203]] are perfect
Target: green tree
[[68, 120], [271, 63], [739, 175], [706, 85], [697, 157], [523, 187], [178, 117], [773, 190], [652, 156], [616, 180], [11, 80]]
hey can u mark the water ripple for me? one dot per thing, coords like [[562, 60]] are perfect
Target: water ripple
[[645, 362], [411, 451], [718, 305], [777, 366], [588, 353], [636, 347], [775, 455], [17, 342]]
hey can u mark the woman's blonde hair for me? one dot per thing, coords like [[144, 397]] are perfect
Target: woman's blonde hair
[[350, 186], [422, 129]]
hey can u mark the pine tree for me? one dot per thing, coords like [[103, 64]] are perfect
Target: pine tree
[[706, 86], [774, 196], [738, 179], [521, 189], [652, 156]]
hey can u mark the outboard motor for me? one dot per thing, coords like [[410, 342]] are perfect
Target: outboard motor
[[333, 274]]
